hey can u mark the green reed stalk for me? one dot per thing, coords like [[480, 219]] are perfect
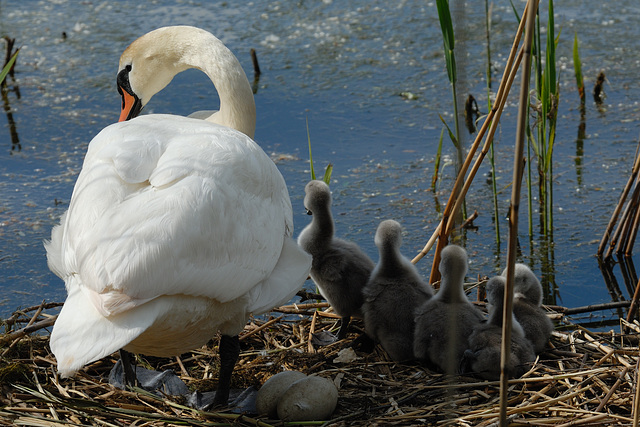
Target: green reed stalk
[[436, 169], [446, 25], [547, 92], [549, 99], [530, 143], [327, 172], [7, 67], [448, 37], [496, 212]]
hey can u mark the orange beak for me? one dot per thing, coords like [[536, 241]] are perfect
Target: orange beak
[[131, 106]]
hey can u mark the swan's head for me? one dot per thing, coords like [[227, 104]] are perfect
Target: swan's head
[[317, 196], [150, 63], [495, 298], [526, 284], [453, 263], [495, 291], [389, 234]]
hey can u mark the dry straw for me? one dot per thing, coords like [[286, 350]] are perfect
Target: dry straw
[[585, 378]]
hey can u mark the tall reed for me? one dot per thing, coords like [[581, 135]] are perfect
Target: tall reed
[[494, 189], [448, 38], [547, 92]]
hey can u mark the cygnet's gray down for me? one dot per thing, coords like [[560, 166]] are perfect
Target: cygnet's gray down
[[483, 356], [527, 298], [394, 291], [339, 268], [444, 323]]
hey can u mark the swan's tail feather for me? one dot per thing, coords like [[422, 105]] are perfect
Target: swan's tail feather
[[82, 335]]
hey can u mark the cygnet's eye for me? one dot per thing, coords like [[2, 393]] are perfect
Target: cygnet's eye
[[308, 211]]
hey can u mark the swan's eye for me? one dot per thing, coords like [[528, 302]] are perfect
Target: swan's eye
[[128, 67]]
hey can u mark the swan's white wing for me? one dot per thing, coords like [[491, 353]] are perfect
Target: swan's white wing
[[166, 205]]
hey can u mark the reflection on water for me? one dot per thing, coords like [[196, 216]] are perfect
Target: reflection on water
[[5, 88], [342, 65]]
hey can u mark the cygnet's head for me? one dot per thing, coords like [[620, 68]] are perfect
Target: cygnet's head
[[495, 291], [526, 284], [388, 235], [453, 262], [495, 298], [317, 196]]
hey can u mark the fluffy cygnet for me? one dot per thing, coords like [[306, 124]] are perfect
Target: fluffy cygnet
[[483, 356], [392, 295], [444, 323], [527, 299], [339, 268]]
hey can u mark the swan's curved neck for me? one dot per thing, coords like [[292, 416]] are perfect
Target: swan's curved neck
[[237, 106], [151, 62]]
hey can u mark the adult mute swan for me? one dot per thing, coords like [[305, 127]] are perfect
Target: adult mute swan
[[392, 294], [339, 268], [177, 228]]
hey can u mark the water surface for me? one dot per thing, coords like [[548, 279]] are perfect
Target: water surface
[[343, 68]]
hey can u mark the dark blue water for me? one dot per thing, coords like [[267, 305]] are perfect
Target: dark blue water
[[342, 68]]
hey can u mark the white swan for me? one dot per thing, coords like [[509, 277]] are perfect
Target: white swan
[[177, 228]]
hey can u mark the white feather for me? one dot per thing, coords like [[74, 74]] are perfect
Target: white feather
[[177, 228]]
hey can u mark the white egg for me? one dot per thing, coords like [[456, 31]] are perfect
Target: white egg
[[311, 398], [270, 392]]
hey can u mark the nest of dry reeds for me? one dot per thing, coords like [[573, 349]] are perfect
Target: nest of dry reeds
[[584, 378]]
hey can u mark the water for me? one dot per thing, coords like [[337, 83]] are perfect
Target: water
[[342, 68]]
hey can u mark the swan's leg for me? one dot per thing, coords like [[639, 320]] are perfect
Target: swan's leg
[[130, 378], [344, 325], [229, 350]]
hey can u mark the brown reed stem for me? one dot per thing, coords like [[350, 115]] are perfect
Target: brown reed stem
[[612, 390], [623, 221], [518, 168], [634, 303], [27, 330], [631, 238], [629, 220], [636, 399], [623, 197]]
